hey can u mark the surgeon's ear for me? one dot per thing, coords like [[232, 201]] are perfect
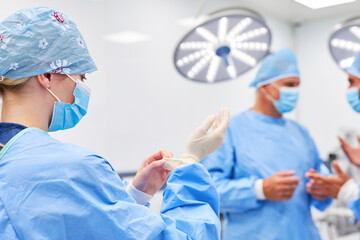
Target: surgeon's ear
[[44, 79], [262, 90]]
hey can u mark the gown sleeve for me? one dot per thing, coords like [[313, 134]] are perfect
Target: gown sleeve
[[89, 201], [7, 230], [236, 195], [320, 167]]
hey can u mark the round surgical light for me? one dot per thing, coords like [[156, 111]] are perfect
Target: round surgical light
[[344, 42], [229, 43]]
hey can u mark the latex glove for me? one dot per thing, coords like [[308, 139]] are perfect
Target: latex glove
[[202, 142], [322, 187], [353, 153], [280, 186], [173, 163], [151, 174]]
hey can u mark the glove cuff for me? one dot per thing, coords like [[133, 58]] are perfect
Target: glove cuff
[[190, 158]]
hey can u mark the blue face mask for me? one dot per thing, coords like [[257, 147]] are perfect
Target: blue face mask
[[66, 115], [288, 99], [353, 98]]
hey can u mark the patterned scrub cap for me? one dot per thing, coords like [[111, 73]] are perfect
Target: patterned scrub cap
[[38, 40]]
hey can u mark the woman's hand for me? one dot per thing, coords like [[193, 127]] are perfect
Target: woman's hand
[[151, 174], [202, 142]]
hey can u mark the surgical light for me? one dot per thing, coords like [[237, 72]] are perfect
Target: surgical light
[[344, 42], [225, 45]]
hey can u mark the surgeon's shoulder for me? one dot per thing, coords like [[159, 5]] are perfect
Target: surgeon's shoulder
[[242, 118], [298, 126], [81, 151], [75, 149], [77, 155]]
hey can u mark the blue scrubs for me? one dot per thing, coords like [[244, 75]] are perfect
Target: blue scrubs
[[9, 130], [54, 190], [257, 146]]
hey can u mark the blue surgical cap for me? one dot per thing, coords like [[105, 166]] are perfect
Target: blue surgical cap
[[355, 67], [279, 65], [38, 40]]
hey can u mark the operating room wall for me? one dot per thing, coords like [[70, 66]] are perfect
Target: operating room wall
[[139, 102], [323, 108], [151, 105]]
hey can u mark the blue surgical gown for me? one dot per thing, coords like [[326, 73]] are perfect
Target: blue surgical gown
[[257, 146], [54, 190]]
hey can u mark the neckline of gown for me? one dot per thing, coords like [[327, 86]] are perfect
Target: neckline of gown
[[266, 118]]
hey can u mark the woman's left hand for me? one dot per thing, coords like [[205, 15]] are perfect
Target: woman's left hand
[[151, 174]]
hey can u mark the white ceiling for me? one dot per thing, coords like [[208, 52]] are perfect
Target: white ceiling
[[293, 12]]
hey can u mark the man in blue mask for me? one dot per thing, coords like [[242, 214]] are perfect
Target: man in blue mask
[[352, 94], [259, 170], [341, 186]]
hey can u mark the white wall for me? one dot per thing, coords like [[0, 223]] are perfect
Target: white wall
[[140, 103], [148, 104]]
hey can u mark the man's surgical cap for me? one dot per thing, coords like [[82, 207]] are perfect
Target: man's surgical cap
[[38, 40], [279, 65], [355, 67]]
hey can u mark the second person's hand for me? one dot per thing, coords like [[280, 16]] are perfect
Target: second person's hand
[[353, 153], [326, 186]]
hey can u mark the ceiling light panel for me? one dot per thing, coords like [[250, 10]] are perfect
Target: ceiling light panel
[[317, 4]]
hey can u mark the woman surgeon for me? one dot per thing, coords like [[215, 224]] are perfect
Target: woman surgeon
[[55, 190]]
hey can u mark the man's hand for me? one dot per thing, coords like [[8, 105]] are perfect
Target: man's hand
[[280, 186]]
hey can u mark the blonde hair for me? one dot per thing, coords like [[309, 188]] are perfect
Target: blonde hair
[[9, 84]]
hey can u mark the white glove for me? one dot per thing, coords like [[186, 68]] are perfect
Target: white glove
[[202, 142], [173, 163]]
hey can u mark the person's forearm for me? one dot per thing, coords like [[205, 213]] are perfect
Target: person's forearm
[[258, 187], [191, 195], [139, 196], [348, 192], [237, 195]]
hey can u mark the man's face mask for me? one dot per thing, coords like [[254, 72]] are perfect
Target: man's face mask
[[288, 99], [352, 96]]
